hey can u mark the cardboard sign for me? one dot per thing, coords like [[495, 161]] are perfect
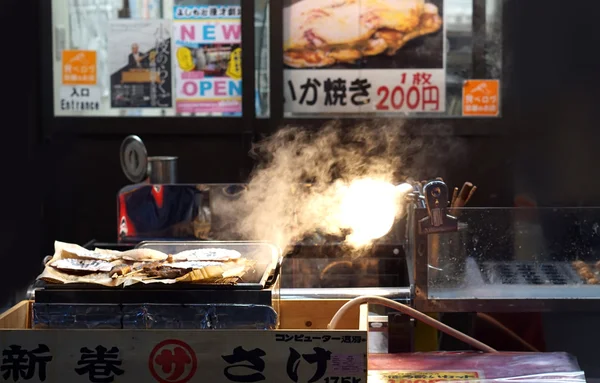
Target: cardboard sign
[[100, 356], [79, 67]]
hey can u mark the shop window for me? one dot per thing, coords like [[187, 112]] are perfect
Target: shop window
[[415, 58], [143, 58]]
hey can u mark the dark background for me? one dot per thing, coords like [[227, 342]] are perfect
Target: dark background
[[64, 185]]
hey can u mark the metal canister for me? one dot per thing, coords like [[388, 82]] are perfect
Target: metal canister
[[162, 170], [448, 258]]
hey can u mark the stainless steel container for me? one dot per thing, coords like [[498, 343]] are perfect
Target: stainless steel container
[[162, 170]]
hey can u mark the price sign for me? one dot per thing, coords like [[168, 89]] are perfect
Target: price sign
[[365, 91]]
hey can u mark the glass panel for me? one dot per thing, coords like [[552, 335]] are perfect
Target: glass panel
[[261, 27], [141, 58], [331, 266], [517, 253], [355, 60]]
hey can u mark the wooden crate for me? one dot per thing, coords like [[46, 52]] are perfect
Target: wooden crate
[[17, 317]]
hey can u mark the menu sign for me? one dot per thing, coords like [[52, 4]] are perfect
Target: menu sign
[[208, 73], [106, 356], [364, 57]]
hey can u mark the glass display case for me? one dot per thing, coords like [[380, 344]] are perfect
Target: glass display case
[[519, 259]]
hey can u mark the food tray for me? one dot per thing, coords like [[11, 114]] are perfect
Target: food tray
[[265, 256], [253, 288], [530, 273]]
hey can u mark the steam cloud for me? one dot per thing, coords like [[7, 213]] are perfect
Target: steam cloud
[[280, 208]]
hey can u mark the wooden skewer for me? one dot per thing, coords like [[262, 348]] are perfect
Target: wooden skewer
[[454, 195], [470, 194], [462, 197]]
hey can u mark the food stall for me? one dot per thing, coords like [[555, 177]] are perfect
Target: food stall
[[330, 262]]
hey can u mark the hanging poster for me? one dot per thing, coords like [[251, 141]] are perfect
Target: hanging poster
[[385, 56], [139, 53], [79, 91], [208, 71]]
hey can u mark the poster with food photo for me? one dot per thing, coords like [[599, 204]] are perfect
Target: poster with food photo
[[208, 71], [347, 56], [139, 59]]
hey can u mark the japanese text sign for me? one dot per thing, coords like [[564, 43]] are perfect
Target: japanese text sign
[[207, 45], [106, 356], [481, 98], [80, 98], [423, 376], [358, 58], [79, 67], [355, 91]]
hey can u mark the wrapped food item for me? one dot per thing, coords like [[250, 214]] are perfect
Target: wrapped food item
[[74, 264], [475, 367], [82, 265], [69, 250], [209, 254], [141, 255]]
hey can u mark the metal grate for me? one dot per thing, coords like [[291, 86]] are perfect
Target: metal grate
[[530, 273]]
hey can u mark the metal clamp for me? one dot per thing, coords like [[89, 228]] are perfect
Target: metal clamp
[[436, 201]]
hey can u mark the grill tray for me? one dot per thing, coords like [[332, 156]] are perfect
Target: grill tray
[[255, 288], [530, 273]]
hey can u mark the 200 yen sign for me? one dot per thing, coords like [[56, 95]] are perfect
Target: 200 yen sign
[[416, 93], [344, 379]]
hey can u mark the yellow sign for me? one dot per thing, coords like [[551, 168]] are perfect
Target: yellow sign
[[234, 68], [421, 376], [185, 59]]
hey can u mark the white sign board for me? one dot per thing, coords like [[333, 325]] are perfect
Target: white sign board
[[80, 98], [354, 57], [106, 356], [365, 91]]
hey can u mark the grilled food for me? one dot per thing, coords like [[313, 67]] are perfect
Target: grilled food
[[82, 266], [322, 33], [75, 264], [69, 250], [144, 255], [200, 255]]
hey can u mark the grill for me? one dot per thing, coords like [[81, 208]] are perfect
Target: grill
[[530, 273]]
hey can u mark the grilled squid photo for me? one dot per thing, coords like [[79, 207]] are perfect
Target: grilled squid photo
[[322, 33]]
